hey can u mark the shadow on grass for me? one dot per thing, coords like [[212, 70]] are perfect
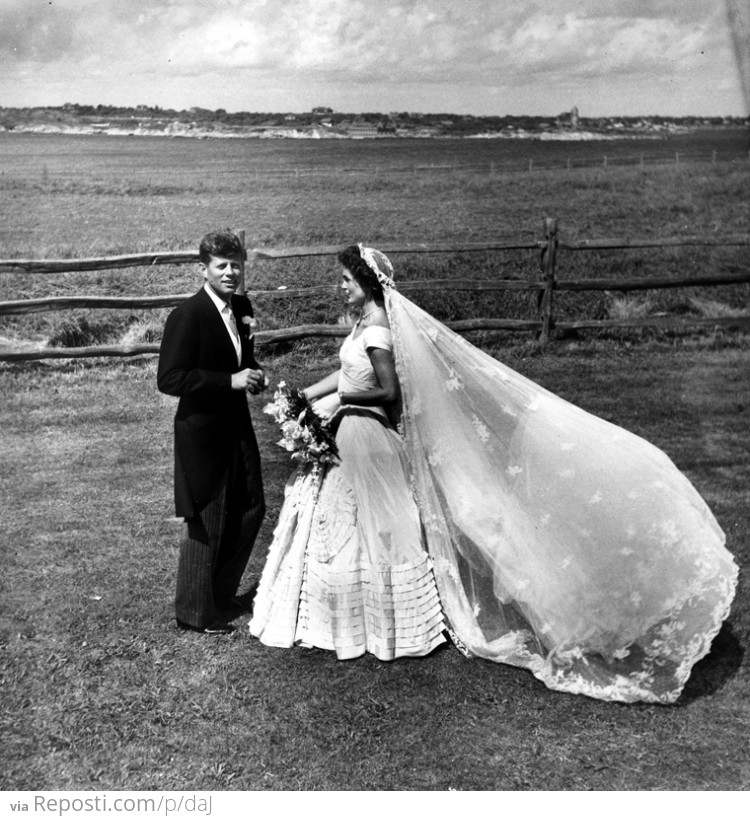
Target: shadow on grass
[[243, 604], [715, 669]]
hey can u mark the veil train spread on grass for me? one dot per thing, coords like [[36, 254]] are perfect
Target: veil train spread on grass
[[560, 542]]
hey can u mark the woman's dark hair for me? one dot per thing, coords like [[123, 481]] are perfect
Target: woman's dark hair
[[362, 274]]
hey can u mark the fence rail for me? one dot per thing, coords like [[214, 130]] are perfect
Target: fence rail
[[546, 285], [50, 266]]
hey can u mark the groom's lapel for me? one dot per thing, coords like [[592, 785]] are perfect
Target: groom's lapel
[[245, 331]]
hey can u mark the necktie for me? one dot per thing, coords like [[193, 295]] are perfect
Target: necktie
[[231, 322]]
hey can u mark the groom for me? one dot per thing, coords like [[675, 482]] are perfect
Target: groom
[[207, 360]]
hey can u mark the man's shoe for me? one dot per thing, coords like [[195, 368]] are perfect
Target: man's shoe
[[217, 628]]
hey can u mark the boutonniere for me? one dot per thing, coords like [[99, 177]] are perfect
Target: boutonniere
[[250, 323]]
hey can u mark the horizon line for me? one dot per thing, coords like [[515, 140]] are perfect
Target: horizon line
[[333, 111]]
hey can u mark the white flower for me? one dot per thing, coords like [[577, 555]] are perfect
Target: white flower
[[596, 498], [437, 456], [445, 568], [482, 431], [453, 383], [670, 532]]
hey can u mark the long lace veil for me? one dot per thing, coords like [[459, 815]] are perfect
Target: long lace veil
[[561, 543]]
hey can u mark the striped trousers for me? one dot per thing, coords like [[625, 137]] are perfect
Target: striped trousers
[[217, 542]]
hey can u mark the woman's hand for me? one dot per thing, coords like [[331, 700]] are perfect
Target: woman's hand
[[326, 406]]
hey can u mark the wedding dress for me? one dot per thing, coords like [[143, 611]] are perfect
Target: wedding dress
[[560, 542], [347, 569]]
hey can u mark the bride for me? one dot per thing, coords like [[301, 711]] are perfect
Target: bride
[[557, 541]]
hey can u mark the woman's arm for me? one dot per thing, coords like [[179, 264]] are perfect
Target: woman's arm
[[387, 392], [327, 385]]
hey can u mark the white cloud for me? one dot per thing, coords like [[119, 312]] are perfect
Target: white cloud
[[418, 53]]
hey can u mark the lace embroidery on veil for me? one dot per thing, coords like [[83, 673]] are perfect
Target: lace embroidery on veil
[[561, 543]]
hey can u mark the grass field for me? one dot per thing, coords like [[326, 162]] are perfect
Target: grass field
[[99, 691], [73, 197]]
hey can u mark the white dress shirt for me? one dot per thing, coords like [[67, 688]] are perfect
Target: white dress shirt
[[229, 321]]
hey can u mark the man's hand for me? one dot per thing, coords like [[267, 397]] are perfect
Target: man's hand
[[252, 380]]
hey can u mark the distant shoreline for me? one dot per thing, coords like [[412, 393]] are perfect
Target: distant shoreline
[[323, 123], [293, 133]]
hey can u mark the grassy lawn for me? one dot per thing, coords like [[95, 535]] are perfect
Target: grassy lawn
[[100, 691]]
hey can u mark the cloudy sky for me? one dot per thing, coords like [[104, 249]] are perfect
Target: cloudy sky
[[608, 57]]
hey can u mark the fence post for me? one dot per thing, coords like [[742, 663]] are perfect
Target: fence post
[[241, 287], [549, 254]]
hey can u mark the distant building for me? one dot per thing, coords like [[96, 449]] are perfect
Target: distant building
[[359, 129], [322, 110], [568, 120]]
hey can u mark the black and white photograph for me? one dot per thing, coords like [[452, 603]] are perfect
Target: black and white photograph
[[375, 402]]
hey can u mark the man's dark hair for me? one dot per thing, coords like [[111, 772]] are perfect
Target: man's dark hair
[[224, 243]]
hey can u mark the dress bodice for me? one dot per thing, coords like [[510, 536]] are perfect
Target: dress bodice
[[357, 373]]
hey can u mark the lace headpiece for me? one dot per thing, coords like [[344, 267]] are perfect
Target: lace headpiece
[[378, 262]]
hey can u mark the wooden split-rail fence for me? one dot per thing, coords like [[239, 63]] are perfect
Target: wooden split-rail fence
[[546, 285]]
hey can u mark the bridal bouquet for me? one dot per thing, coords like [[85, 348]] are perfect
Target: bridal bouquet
[[303, 433]]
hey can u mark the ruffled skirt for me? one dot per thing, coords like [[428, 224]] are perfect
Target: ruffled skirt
[[347, 569]]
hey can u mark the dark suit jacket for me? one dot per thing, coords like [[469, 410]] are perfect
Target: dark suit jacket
[[196, 363]]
